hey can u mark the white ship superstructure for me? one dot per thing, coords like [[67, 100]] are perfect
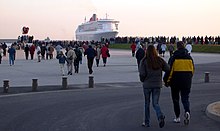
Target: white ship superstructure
[[96, 29]]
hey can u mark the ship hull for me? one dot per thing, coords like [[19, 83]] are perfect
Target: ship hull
[[92, 36]]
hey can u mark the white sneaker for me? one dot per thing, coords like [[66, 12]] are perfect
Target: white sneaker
[[176, 120], [187, 117]]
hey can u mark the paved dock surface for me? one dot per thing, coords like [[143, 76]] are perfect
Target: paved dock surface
[[115, 104], [121, 67]]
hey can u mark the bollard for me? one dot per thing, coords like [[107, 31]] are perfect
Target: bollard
[[34, 84], [64, 82], [207, 77], [91, 81], [5, 86]]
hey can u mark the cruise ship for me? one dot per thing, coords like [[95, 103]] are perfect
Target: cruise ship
[[95, 29]]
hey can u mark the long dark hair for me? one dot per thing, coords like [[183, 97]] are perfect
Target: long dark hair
[[153, 60]]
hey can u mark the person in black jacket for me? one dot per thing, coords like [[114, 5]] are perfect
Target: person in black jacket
[[140, 53], [43, 51], [78, 59], [91, 53], [179, 78], [26, 50]]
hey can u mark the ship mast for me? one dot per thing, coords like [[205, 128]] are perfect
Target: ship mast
[[106, 15], [85, 20]]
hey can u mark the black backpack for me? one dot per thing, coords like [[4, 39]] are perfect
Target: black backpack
[[78, 54]]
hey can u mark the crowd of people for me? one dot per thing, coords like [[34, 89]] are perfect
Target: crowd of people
[[178, 70], [164, 39], [67, 52]]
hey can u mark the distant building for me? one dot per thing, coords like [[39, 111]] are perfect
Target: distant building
[[8, 40]]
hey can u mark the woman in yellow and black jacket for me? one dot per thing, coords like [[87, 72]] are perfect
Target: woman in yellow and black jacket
[[179, 78]]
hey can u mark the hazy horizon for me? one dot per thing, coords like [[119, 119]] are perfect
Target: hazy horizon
[[58, 19]]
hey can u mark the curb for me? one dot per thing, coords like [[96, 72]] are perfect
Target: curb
[[213, 111]]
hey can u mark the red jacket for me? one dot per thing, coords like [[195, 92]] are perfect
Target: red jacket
[[104, 50], [32, 49], [133, 47]]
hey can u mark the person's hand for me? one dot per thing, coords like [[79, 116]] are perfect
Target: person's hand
[[166, 84]]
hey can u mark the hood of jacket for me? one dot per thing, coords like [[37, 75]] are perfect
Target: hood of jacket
[[181, 53]]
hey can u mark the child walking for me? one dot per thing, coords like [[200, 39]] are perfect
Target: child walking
[[62, 60]]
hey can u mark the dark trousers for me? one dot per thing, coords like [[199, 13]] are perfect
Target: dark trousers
[[138, 62], [0, 59], [32, 56], [4, 51], [47, 56], [184, 93], [104, 60], [76, 66], [26, 55], [97, 62], [43, 55], [90, 64], [133, 53], [51, 56]]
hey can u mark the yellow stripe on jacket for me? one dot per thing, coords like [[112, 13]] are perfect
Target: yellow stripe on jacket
[[181, 65]]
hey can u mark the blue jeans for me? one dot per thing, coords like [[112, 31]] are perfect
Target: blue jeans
[[11, 59], [155, 101]]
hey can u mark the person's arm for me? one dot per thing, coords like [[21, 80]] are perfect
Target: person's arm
[[142, 70], [167, 72]]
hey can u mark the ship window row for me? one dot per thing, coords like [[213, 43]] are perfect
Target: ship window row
[[112, 26]]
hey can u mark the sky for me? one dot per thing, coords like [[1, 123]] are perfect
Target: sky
[[58, 19]]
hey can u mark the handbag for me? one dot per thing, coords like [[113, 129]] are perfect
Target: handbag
[[108, 54]]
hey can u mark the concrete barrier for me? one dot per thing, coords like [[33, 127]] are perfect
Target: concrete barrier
[[64, 82], [91, 81], [34, 84], [207, 77], [5, 86]]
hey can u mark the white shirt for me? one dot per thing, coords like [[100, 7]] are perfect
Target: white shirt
[[163, 47], [38, 50], [189, 48]]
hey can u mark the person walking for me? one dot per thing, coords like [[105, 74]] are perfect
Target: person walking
[[150, 73], [32, 50], [98, 54], [163, 48], [159, 49], [104, 52], [38, 53], [62, 59], [15, 46], [26, 51], [1, 54], [180, 79], [58, 48], [4, 47], [71, 56], [43, 51], [133, 48], [47, 51], [51, 50], [82, 52], [91, 53], [189, 47], [78, 59], [171, 49], [140, 53], [11, 52]]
